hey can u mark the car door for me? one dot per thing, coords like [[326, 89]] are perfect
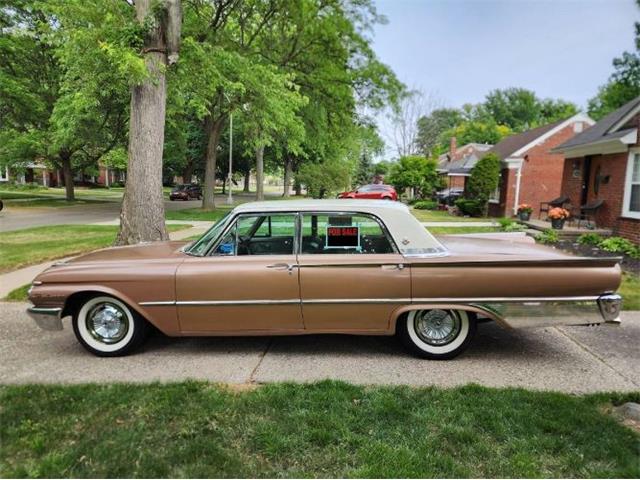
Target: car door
[[364, 192], [352, 277], [248, 284]]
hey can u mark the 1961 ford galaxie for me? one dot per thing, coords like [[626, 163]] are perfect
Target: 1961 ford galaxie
[[364, 267]]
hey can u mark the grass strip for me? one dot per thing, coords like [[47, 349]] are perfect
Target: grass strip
[[327, 429]]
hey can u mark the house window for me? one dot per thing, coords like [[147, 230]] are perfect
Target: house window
[[4, 174], [631, 206]]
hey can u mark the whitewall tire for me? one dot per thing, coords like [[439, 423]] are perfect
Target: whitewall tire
[[107, 327], [437, 334]]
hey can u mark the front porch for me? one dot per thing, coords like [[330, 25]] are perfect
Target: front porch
[[571, 231]]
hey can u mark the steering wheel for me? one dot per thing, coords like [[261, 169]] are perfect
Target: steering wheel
[[244, 245]]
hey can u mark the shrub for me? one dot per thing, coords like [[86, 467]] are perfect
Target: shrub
[[473, 208], [484, 179], [620, 245], [514, 227], [425, 205], [547, 237], [505, 222], [590, 239]]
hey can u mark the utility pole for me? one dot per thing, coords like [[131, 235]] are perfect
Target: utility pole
[[230, 197]]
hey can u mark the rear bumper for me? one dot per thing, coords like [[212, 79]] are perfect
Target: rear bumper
[[556, 311], [46, 318]]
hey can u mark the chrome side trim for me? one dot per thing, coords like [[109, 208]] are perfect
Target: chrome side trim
[[333, 301], [503, 299], [433, 300], [46, 318]]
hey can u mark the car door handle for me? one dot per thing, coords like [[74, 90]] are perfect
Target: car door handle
[[283, 266], [398, 266]]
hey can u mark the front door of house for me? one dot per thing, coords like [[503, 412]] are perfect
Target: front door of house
[[586, 181]]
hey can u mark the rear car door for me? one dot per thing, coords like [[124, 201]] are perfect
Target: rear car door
[[352, 276], [249, 283]]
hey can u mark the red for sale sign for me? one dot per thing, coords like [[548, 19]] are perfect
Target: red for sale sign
[[343, 237]]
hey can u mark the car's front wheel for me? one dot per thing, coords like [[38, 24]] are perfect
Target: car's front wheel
[[107, 327], [437, 334]]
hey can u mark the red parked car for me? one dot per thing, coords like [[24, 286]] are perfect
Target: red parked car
[[374, 191]]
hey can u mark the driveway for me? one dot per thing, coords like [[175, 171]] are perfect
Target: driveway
[[570, 359]]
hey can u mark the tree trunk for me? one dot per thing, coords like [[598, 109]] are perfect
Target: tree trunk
[[187, 173], [297, 188], [142, 213], [213, 131], [68, 177], [288, 173], [260, 173], [247, 180]]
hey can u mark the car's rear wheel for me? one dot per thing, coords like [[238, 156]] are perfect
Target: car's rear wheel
[[107, 327], [437, 334]]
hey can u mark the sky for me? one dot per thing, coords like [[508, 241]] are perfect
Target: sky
[[459, 50]]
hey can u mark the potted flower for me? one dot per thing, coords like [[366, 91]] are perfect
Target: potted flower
[[558, 215], [524, 212]]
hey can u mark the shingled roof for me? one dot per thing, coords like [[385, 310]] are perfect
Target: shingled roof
[[604, 129], [508, 146]]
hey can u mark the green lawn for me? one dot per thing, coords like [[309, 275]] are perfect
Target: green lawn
[[80, 192], [443, 216], [35, 245], [47, 202], [328, 429], [630, 291], [198, 214]]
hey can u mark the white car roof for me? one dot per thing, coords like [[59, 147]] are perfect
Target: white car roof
[[408, 233]]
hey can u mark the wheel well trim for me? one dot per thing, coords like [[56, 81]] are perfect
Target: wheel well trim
[[477, 309], [89, 290]]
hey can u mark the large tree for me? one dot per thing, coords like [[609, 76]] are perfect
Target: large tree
[[58, 105], [623, 85], [142, 214]]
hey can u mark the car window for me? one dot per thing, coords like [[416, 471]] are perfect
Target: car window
[[347, 234], [365, 188], [259, 235]]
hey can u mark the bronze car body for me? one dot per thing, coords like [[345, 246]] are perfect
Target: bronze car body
[[282, 275]]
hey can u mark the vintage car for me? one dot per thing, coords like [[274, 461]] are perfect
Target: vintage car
[[365, 267], [375, 191]]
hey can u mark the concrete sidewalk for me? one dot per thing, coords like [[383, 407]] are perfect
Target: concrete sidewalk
[[569, 359]]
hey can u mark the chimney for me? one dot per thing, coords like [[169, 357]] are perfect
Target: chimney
[[452, 147]]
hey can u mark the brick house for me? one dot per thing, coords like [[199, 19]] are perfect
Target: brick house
[[603, 163], [455, 165], [531, 172]]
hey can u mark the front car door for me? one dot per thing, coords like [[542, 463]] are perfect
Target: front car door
[[248, 283], [352, 276]]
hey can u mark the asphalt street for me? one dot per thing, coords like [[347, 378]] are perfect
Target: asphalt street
[[569, 359], [17, 218]]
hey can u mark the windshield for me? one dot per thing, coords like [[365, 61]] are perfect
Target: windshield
[[200, 247]]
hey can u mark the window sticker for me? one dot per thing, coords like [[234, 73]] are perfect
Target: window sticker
[[343, 237]]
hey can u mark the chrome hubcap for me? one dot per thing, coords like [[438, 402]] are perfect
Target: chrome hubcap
[[107, 323], [437, 327]]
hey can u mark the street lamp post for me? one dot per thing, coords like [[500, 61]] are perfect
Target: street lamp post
[[230, 197]]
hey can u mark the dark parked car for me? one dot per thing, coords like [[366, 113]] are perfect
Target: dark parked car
[[449, 196], [186, 192], [373, 191]]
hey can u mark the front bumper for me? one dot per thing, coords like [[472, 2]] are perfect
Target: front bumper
[[46, 318], [556, 311]]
